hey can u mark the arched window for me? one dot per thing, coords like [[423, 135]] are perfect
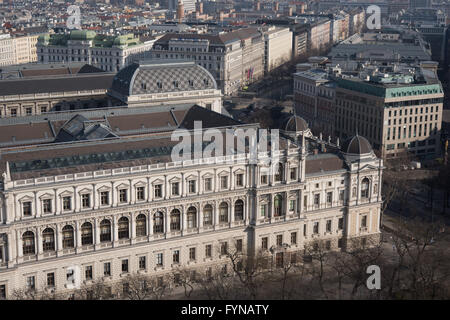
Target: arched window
[[279, 172], [192, 218], [86, 233], [105, 231], [365, 188], [158, 222], [277, 205], [48, 240], [28, 243], [239, 210], [175, 218], [124, 230], [208, 215], [223, 212], [67, 235], [141, 225]]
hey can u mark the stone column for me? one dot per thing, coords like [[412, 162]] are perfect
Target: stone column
[[183, 218], [97, 232], [272, 205], [59, 242], [150, 224], [39, 245], [133, 227], [200, 217], [78, 243], [115, 230]]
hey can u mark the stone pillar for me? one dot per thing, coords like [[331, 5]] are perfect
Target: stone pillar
[[166, 221], [272, 206], [133, 227], [150, 224], [200, 217], [97, 232], [115, 230], [38, 244], [166, 188], [216, 214], [78, 243], [183, 218], [231, 213], [59, 242]]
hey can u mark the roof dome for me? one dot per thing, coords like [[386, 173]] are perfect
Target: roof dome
[[357, 145], [161, 77], [296, 123]]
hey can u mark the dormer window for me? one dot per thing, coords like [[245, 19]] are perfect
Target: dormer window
[[206, 81], [191, 83], [143, 85], [159, 84], [175, 84]]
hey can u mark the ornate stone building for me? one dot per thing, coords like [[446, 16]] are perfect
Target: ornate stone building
[[120, 205]]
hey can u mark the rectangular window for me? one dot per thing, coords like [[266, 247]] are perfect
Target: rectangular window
[[158, 191], [123, 195], [142, 263], [86, 200], [291, 205], [159, 260], [263, 210], [263, 178], [340, 243], [305, 202], [328, 245], [125, 265], [107, 269], [176, 256], [329, 198], [191, 253], [67, 203], [240, 180], [192, 186], [279, 240], [2, 291], [264, 243], [43, 109], [364, 222], [341, 195], [26, 208], [341, 223], [316, 228], [175, 188], [51, 279], [304, 229], [31, 283], [208, 251], [140, 193], [239, 245], [88, 273], [293, 237], [208, 184], [316, 200], [47, 205], [293, 173], [224, 182], [328, 225], [224, 248], [29, 111], [104, 198]]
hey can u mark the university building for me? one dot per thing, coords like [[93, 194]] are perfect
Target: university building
[[110, 204]]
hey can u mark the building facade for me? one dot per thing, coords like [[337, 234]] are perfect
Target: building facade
[[144, 213], [277, 47], [109, 53], [169, 83], [394, 116], [235, 59]]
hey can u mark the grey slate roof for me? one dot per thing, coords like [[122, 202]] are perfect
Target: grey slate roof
[[162, 77], [56, 84]]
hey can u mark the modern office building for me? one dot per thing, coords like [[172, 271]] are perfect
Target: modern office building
[[277, 47], [396, 113]]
